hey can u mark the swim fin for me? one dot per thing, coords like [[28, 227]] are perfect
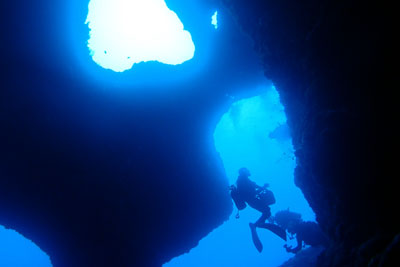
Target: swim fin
[[256, 239], [275, 229]]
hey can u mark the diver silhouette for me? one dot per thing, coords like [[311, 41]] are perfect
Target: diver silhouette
[[259, 198], [305, 232]]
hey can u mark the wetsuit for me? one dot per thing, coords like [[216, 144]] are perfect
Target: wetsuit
[[248, 191]]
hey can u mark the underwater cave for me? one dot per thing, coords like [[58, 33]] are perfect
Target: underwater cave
[[252, 133], [124, 123]]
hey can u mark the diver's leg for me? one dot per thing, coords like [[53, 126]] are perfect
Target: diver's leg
[[274, 229], [266, 213], [262, 219], [254, 236]]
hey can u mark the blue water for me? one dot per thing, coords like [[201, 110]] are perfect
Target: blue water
[[252, 134], [17, 251]]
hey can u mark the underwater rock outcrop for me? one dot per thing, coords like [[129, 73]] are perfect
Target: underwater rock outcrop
[[305, 258], [328, 61], [93, 174]]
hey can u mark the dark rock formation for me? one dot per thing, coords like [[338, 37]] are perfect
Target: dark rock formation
[[92, 185], [328, 61], [97, 175], [305, 258]]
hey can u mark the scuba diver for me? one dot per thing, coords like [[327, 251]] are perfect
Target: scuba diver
[[305, 232], [248, 192]]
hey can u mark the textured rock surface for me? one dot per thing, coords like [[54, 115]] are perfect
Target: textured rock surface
[[305, 258], [328, 61]]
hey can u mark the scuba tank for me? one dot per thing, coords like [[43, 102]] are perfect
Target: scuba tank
[[239, 202], [266, 196]]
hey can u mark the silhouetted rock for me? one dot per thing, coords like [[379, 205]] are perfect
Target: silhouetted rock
[[327, 60], [305, 258]]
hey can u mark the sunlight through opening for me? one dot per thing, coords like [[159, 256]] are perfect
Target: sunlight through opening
[[126, 32], [252, 134]]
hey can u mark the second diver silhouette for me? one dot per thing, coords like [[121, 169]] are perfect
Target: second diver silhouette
[[305, 232], [248, 192]]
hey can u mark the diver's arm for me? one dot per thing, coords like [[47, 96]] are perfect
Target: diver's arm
[[299, 244], [260, 188], [296, 249]]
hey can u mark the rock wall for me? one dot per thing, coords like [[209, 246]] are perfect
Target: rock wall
[[328, 62]]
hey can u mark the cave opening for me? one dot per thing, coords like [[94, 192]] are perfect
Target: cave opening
[[124, 33], [18, 251], [252, 133]]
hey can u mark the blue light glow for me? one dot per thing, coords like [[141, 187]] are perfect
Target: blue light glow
[[125, 32], [252, 134], [214, 20], [17, 251]]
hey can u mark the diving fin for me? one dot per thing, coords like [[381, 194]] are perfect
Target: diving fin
[[275, 229], [256, 239]]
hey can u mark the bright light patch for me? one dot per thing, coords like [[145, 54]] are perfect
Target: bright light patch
[[125, 32], [252, 134], [214, 20], [17, 251]]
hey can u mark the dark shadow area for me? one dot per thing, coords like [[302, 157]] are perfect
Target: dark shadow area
[[330, 62]]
